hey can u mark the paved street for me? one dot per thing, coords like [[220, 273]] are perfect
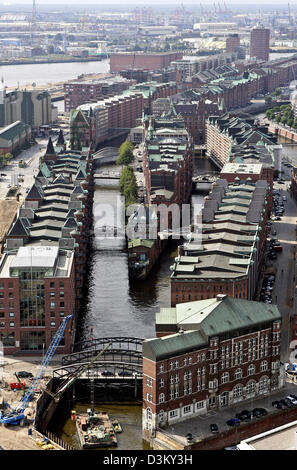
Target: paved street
[[199, 426], [31, 157], [283, 293]]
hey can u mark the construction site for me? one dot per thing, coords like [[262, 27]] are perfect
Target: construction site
[[34, 392]]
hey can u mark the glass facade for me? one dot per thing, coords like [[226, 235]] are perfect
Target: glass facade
[[32, 340], [32, 305]]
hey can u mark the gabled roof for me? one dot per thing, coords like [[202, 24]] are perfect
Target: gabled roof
[[50, 148], [18, 229], [70, 222], [35, 192]]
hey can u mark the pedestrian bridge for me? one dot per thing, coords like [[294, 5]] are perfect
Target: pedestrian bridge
[[121, 360], [105, 156]]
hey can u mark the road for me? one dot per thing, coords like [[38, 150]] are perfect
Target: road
[[31, 157], [283, 293]]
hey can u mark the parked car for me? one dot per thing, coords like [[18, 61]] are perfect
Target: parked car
[[124, 373], [258, 412], [189, 437], [233, 422], [287, 402], [17, 385], [214, 428], [23, 374], [277, 404], [107, 373], [293, 400], [245, 415]]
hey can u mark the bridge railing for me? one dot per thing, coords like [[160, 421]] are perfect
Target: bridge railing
[[101, 342], [134, 355], [118, 369]]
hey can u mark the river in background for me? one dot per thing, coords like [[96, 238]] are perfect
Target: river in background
[[26, 74]]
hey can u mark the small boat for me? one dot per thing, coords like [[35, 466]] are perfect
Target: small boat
[[95, 430], [116, 426]]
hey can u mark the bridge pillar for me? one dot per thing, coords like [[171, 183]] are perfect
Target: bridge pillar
[[135, 386], [92, 394]]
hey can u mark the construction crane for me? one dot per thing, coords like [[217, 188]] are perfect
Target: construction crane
[[16, 415], [74, 376]]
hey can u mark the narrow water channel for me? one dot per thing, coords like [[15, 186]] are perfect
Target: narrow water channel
[[113, 307]]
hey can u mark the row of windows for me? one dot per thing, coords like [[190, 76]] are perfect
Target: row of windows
[[237, 390], [226, 356], [195, 297], [207, 287]]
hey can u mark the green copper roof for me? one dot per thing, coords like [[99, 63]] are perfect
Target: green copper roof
[[161, 348]]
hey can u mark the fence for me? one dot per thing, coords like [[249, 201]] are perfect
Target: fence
[[58, 443]]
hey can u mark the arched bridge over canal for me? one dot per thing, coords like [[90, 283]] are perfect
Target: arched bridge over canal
[[120, 361], [105, 156]]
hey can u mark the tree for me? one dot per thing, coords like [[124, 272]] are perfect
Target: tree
[[125, 153], [128, 186]]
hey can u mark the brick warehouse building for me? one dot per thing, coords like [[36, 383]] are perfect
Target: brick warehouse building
[[113, 115], [167, 159], [43, 266], [78, 92], [215, 353], [225, 131], [227, 256], [141, 60]]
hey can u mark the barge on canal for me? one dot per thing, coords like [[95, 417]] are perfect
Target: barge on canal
[[95, 430]]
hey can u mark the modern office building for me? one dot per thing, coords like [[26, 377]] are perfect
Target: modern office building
[[259, 42], [32, 107], [42, 268]]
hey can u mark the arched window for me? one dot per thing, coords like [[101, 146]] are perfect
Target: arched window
[[263, 366], [225, 377], [251, 387], [149, 415], [238, 374], [251, 369], [237, 392], [161, 398], [161, 416], [263, 384]]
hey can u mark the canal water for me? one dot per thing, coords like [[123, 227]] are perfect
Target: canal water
[[116, 306]]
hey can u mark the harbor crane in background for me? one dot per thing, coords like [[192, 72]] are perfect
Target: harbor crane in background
[[16, 415]]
